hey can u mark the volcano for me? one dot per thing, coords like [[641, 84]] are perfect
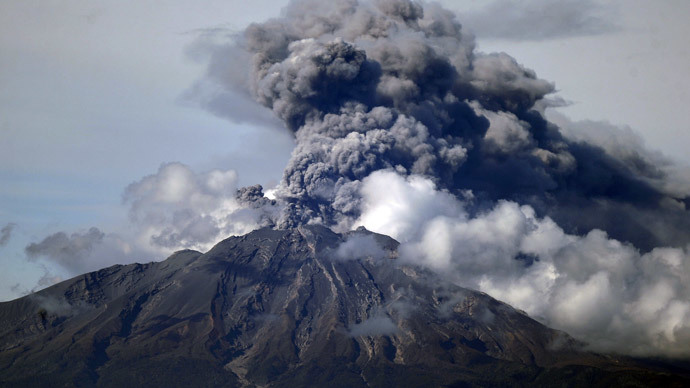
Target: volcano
[[290, 308]]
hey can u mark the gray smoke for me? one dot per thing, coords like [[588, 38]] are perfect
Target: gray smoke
[[6, 234], [63, 255], [68, 251], [541, 19], [397, 85]]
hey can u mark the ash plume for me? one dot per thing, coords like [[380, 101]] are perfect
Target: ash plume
[[402, 126], [398, 85]]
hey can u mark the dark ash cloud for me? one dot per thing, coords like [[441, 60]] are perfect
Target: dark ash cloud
[[541, 19], [396, 85]]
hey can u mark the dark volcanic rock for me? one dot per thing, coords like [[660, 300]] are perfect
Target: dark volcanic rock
[[288, 308]]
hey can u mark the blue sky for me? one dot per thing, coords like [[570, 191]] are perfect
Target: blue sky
[[92, 99]]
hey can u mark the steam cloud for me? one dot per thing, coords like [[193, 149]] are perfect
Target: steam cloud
[[401, 126], [173, 209], [178, 208], [360, 247], [591, 286]]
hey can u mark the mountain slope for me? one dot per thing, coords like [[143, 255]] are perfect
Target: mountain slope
[[299, 307]]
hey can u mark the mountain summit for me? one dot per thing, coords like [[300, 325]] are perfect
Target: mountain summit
[[287, 308]]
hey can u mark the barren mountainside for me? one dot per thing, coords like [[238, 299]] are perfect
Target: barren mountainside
[[289, 308]]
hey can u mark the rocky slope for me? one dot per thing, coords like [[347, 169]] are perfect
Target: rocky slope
[[289, 308]]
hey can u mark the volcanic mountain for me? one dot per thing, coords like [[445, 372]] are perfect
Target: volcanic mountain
[[289, 308]]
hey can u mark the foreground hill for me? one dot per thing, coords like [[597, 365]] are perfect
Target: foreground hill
[[289, 308]]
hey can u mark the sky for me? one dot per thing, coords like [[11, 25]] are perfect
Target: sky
[[100, 102], [92, 99]]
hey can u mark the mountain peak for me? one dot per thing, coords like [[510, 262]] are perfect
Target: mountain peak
[[292, 307]]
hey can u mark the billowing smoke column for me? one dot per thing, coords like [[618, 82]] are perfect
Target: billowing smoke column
[[401, 126], [394, 85]]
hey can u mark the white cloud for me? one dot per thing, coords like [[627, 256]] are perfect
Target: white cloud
[[177, 208], [359, 246], [390, 214], [173, 209], [596, 288]]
